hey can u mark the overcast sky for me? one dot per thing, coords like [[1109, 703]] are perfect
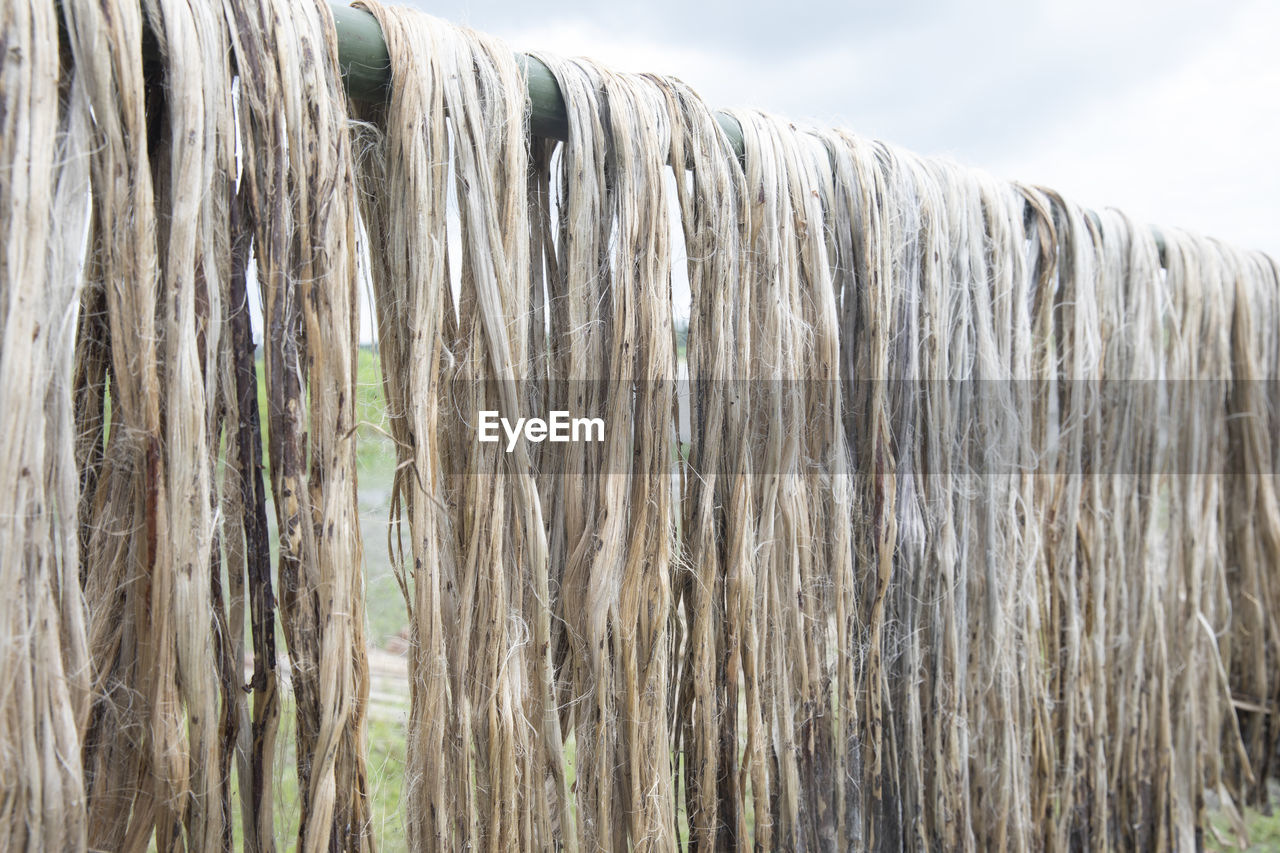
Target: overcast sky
[[1170, 110]]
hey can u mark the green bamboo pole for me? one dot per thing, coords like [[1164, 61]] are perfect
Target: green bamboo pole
[[366, 69]]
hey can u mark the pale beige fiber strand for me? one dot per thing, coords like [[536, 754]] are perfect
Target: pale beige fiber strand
[[483, 700], [1253, 527], [153, 747], [613, 348], [716, 624], [121, 469], [44, 660]]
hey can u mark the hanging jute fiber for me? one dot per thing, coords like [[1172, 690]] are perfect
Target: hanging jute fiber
[[953, 524]]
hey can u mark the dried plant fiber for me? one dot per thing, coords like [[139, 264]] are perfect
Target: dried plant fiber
[[44, 671], [952, 525], [126, 276]]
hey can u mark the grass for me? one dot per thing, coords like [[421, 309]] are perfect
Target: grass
[[386, 778], [1264, 829], [376, 465]]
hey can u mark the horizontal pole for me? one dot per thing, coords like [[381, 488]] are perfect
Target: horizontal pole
[[366, 69]]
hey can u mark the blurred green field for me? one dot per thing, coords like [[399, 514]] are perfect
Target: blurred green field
[[376, 461], [386, 779], [1263, 829]]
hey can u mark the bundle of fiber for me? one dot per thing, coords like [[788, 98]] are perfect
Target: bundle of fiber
[[939, 438], [922, 596], [1130, 690], [300, 207], [129, 178], [158, 743], [44, 670], [611, 354], [1065, 362], [715, 591], [1197, 604], [406, 182], [493, 688], [585, 356], [798, 572], [485, 760], [1253, 529]]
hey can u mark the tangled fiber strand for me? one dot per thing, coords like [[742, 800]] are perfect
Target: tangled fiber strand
[[247, 550], [1065, 369], [582, 317], [1253, 529], [1131, 693], [300, 177], [157, 748], [483, 700], [406, 186], [715, 587], [194, 240], [611, 309], [127, 733], [946, 567], [800, 572], [44, 690]]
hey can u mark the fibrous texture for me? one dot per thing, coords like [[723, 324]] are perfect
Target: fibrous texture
[[148, 388], [44, 672], [951, 524], [299, 182], [485, 747], [130, 227]]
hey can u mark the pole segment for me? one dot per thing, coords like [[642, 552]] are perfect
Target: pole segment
[[366, 71]]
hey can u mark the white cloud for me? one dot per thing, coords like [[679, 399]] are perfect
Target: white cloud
[[1196, 147], [1170, 111]]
